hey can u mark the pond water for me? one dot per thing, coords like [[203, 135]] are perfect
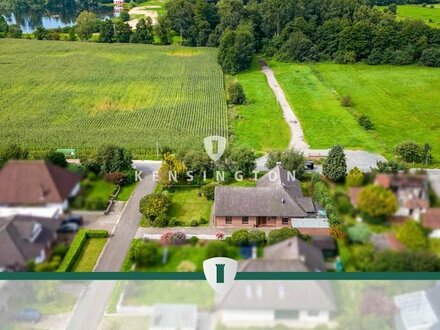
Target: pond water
[[30, 21]]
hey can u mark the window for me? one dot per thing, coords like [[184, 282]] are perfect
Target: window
[[313, 313], [285, 221], [228, 220], [245, 220]]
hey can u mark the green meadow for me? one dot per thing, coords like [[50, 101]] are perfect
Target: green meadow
[[80, 95], [401, 101], [258, 124], [427, 14]]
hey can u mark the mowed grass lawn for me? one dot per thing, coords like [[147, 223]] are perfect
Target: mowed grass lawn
[[401, 101], [89, 255], [188, 205], [259, 124], [79, 95], [427, 14]]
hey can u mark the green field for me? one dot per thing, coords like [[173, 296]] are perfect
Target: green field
[[188, 205], [401, 101], [259, 124], [80, 95], [89, 255], [429, 15]]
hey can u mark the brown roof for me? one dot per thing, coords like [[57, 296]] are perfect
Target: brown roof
[[15, 238], [383, 180], [431, 219], [35, 182]]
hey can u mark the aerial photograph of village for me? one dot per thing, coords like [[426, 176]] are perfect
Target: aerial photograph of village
[[284, 136]]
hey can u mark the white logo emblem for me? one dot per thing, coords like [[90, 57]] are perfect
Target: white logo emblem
[[220, 273], [215, 146]]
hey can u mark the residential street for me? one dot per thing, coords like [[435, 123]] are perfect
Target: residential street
[[91, 305], [113, 256]]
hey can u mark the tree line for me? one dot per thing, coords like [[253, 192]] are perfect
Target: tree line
[[344, 31]]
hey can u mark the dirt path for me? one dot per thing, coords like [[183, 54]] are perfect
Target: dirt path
[[296, 133], [363, 160], [147, 11]]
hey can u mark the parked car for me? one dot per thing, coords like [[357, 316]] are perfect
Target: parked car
[[77, 219], [69, 227], [309, 165], [28, 315]]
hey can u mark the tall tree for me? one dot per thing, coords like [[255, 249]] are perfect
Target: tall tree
[[335, 166], [164, 30], [107, 31], [123, 32], [86, 25], [144, 33]]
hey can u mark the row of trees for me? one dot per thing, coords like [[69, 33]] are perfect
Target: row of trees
[[294, 30]]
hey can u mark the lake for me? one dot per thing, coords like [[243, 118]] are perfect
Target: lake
[[30, 21]]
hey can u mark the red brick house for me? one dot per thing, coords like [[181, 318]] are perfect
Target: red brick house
[[276, 201]]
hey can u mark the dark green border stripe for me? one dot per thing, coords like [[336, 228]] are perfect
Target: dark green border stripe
[[200, 276]]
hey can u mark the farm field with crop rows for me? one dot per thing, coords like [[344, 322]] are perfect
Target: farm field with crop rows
[[80, 95]]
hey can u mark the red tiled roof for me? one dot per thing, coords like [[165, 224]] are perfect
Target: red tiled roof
[[431, 219], [35, 182], [383, 180]]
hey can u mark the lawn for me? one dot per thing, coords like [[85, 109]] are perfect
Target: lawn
[[259, 124], [188, 205], [79, 95], [401, 101], [430, 16], [89, 255], [126, 191]]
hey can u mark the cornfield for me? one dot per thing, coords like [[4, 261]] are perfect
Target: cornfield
[[80, 95]]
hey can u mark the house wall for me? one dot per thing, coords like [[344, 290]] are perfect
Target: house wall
[[237, 222], [266, 319]]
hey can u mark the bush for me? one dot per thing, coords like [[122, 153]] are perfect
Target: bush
[[291, 160], [236, 93], [154, 205], [240, 237], [257, 237], [194, 223], [355, 178], [220, 235], [431, 57], [216, 249], [409, 152], [346, 101], [194, 240], [203, 221], [114, 177], [366, 123], [208, 190], [161, 221], [186, 266], [412, 235], [77, 244], [60, 250], [96, 204], [377, 201], [56, 158], [359, 233], [173, 238], [279, 235], [146, 254]]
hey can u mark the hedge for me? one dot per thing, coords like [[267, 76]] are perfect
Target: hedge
[[77, 244]]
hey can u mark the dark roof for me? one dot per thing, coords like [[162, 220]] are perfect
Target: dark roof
[[15, 235], [252, 201], [324, 242], [296, 249], [30, 182], [431, 219], [276, 194]]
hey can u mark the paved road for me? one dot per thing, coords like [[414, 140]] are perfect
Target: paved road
[[363, 160], [118, 245], [91, 305]]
